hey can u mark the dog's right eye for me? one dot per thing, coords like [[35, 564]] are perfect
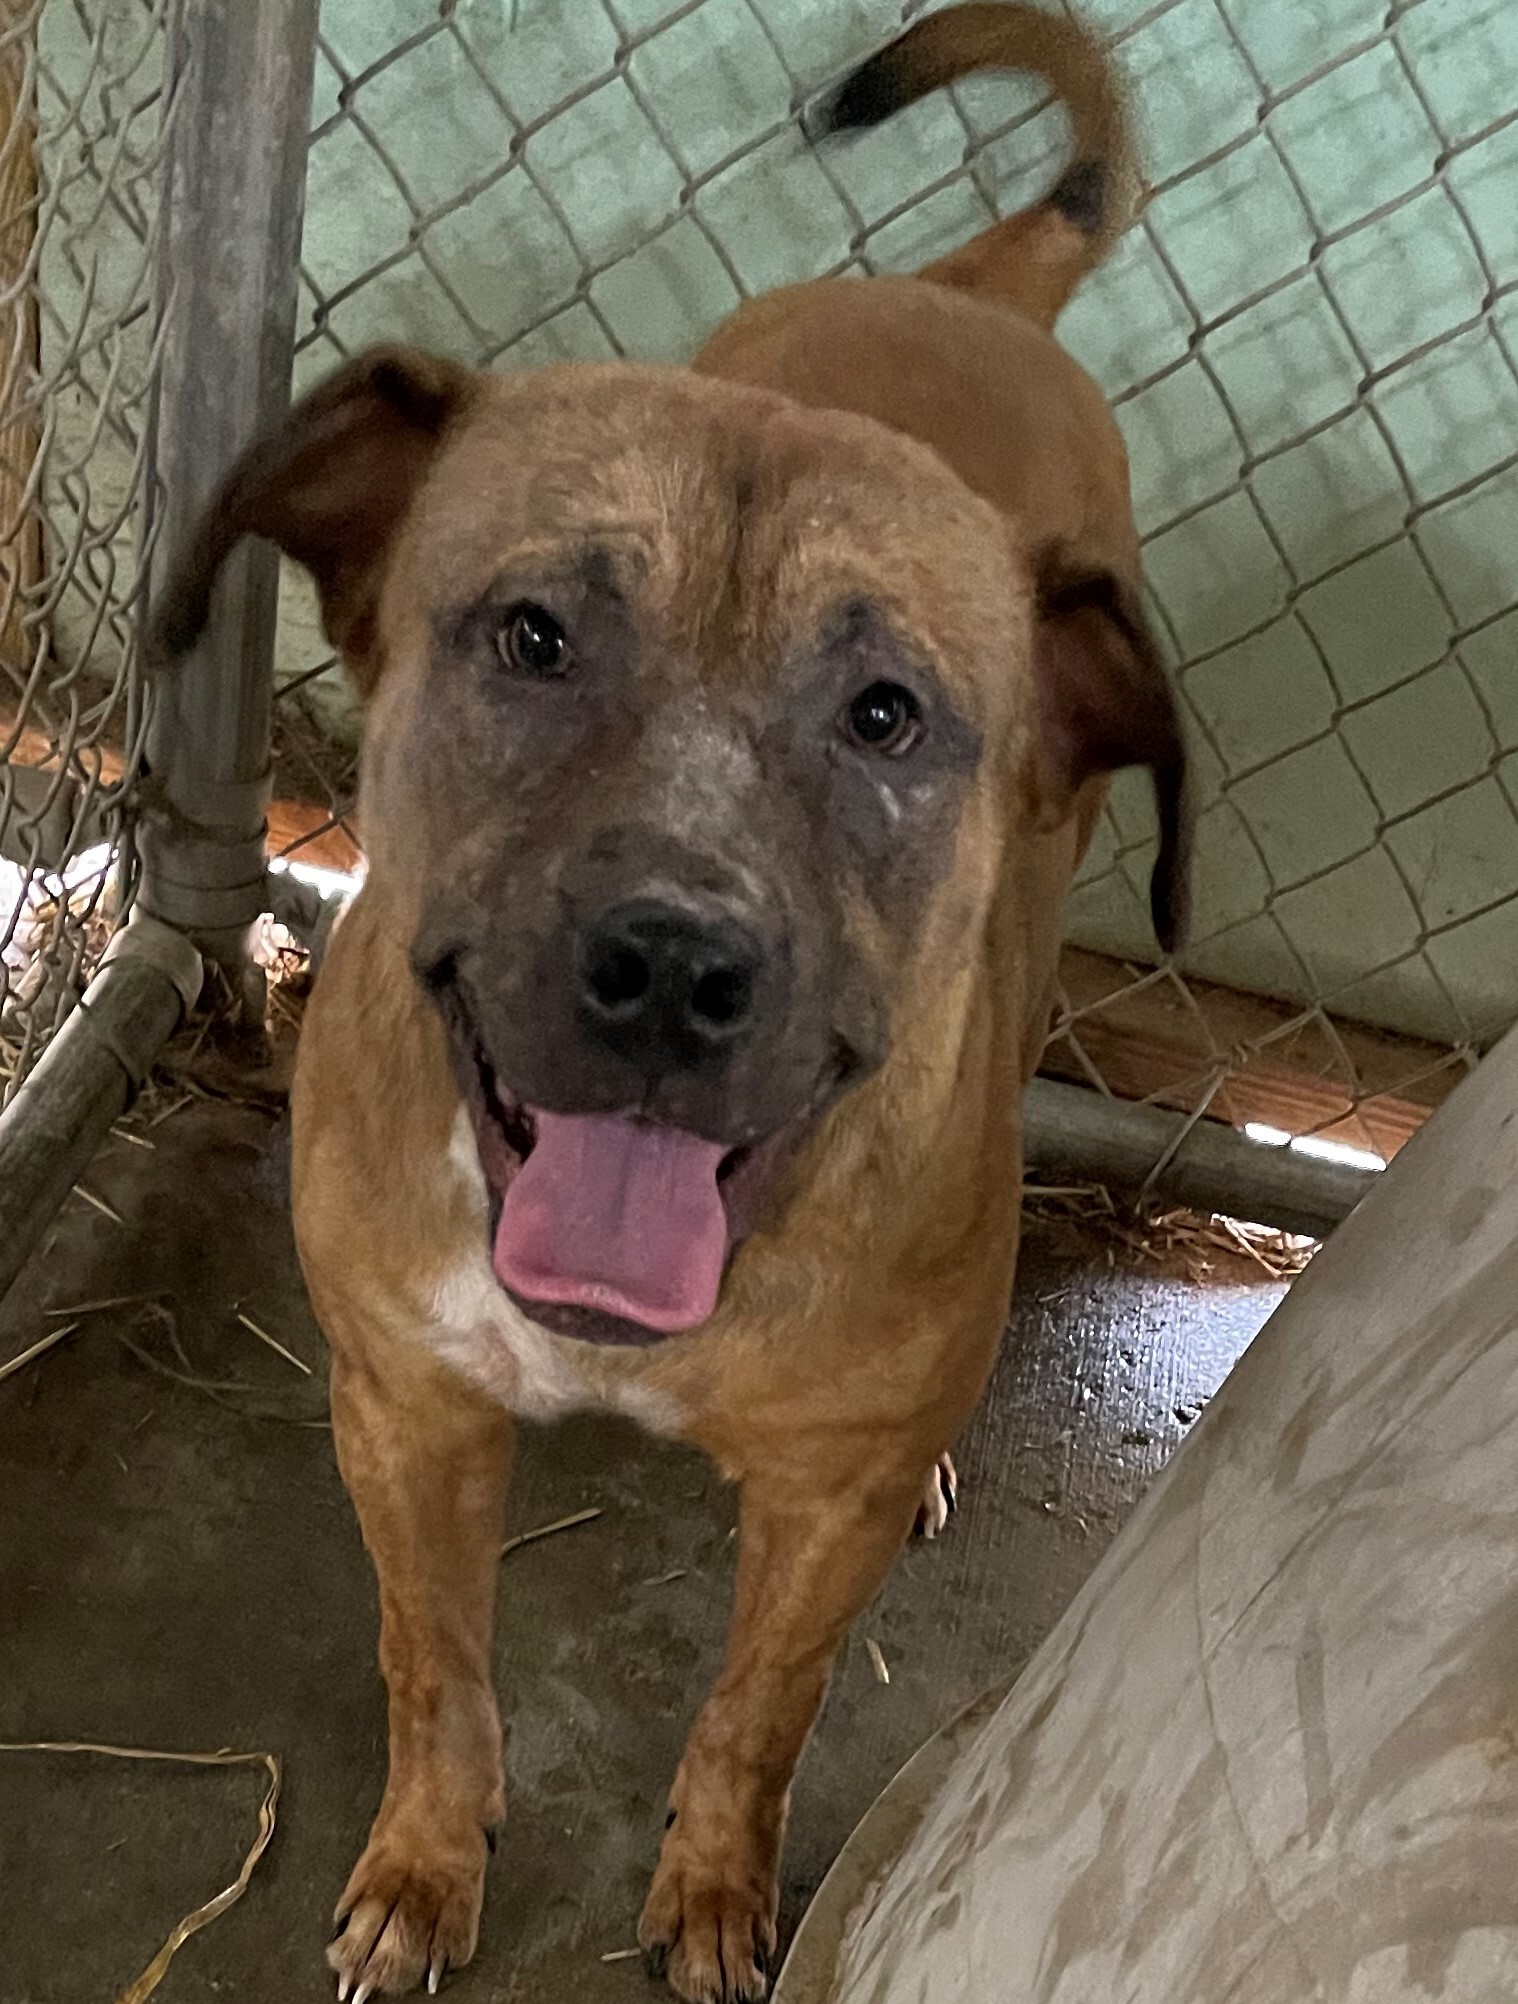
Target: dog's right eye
[[884, 718], [533, 642]]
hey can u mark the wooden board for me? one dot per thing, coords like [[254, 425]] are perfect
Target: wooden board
[[1151, 1037], [296, 826]]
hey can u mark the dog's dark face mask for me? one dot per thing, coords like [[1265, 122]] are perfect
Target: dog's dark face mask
[[697, 722]]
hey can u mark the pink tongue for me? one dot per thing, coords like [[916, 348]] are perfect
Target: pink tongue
[[614, 1215]]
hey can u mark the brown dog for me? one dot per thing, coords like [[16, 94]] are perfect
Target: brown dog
[[733, 733]]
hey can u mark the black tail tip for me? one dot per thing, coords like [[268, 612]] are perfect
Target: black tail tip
[[867, 97], [175, 624], [1080, 195], [1170, 898]]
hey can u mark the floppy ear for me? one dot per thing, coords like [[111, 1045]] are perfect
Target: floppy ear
[[330, 485], [1105, 702]]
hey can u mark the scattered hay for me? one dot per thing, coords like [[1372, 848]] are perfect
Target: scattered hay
[[156, 1313], [549, 1530], [98, 1306], [35, 1350], [99, 1204], [274, 1343], [139, 1991], [1193, 1244], [1283, 1255], [222, 1392], [287, 970], [219, 1054], [877, 1660]]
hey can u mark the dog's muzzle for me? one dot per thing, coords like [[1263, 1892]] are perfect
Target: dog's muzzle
[[635, 1088]]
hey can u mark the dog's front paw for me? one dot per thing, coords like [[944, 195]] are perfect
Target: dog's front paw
[[709, 1928], [411, 1910], [940, 1498]]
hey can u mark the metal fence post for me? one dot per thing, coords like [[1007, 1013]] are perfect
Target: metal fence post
[[236, 194], [86, 1077]]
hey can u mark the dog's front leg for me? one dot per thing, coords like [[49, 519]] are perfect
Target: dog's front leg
[[812, 1550], [426, 1461]]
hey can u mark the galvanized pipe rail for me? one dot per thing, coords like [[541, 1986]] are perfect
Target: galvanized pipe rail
[[241, 74], [86, 1078], [236, 199]]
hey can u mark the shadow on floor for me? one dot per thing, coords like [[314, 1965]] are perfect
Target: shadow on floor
[[179, 1568]]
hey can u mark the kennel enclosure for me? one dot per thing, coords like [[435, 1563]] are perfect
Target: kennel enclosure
[[1307, 336]]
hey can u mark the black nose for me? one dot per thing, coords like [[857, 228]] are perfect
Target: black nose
[[667, 990]]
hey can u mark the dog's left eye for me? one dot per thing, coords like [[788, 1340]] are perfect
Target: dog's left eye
[[532, 641], [884, 718]]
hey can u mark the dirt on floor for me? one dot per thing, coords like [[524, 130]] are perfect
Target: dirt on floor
[[180, 1569]]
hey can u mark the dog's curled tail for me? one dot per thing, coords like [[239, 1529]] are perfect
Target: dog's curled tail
[[1034, 260]]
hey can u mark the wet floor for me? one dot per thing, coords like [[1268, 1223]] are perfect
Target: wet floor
[[179, 1568]]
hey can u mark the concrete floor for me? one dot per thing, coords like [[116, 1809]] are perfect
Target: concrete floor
[[180, 1568]]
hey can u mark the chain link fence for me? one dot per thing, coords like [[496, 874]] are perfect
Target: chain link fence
[[83, 130], [1325, 454], [1308, 339]]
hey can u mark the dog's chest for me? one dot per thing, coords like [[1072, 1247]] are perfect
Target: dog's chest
[[480, 1332]]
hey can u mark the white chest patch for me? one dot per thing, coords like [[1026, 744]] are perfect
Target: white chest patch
[[480, 1331]]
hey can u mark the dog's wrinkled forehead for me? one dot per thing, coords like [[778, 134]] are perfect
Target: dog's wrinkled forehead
[[724, 509]]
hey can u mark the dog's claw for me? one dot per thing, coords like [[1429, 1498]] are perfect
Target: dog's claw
[[940, 1499], [492, 1838], [656, 1961], [415, 1912], [343, 1984]]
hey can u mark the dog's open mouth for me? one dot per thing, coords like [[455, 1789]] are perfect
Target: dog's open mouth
[[609, 1227]]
